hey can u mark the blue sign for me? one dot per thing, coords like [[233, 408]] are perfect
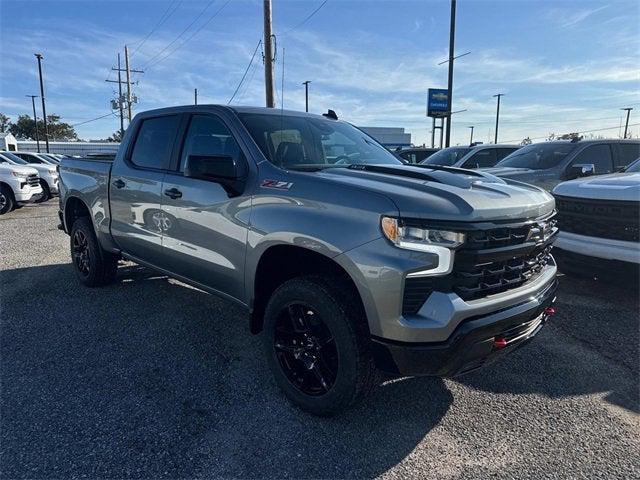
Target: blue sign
[[438, 102]]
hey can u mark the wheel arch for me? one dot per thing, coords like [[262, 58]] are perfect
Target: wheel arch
[[281, 262], [74, 208]]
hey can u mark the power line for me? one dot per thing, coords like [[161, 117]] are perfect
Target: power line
[[93, 119], [307, 18], [245, 72], [160, 22], [180, 35], [179, 46], [583, 131]]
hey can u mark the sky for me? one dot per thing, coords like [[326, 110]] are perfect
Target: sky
[[564, 66]]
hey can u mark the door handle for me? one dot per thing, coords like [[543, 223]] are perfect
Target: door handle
[[119, 184], [173, 193]]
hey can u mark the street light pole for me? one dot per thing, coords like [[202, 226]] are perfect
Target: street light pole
[[497, 115], [626, 125], [471, 139], [306, 95], [44, 109], [35, 119], [452, 38]]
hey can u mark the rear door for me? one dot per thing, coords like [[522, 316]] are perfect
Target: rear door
[[136, 188], [205, 226]]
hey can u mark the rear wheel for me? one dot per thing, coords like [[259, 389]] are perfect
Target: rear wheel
[[317, 345], [7, 203], [93, 265]]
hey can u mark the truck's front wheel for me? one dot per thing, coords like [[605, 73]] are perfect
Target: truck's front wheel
[[317, 345], [6, 200], [93, 265]]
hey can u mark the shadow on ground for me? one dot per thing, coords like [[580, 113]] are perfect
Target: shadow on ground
[[150, 378], [590, 346]]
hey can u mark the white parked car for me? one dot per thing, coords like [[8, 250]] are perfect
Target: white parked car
[[599, 221], [46, 169], [18, 185]]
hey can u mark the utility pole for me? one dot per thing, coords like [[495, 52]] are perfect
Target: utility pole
[[471, 139], [126, 64], [306, 95], [35, 119], [44, 109], [626, 125], [195, 96], [268, 56], [497, 114], [121, 98], [452, 39]]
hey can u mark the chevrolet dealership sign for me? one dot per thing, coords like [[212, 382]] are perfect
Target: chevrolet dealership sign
[[437, 102]]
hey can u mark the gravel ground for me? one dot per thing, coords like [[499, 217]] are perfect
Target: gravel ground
[[150, 378]]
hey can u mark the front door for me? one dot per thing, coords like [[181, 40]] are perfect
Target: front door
[[206, 234], [136, 189]]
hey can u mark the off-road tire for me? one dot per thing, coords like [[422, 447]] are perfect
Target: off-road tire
[[102, 265], [340, 310]]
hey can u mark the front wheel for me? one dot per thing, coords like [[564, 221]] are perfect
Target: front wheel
[[46, 193], [6, 200], [317, 345], [93, 265]]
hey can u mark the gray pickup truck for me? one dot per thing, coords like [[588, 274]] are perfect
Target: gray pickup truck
[[348, 261]]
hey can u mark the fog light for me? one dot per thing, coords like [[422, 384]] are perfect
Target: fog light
[[499, 342], [549, 311]]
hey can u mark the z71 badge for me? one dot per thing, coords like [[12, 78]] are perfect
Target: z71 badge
[[276, 184]]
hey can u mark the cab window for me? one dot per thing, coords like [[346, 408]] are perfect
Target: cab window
[[208, 136], [598, 155], [154, 142], [482, 159], [627, 153]]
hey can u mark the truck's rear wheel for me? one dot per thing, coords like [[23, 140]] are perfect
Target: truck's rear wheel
[[317, 345], [6, 200], [93, 266]]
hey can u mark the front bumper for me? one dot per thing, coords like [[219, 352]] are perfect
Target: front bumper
[[471, 345], [27, 194], [603, 248]]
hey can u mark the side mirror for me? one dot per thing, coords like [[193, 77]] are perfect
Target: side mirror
[[578, 171], [222, 169]]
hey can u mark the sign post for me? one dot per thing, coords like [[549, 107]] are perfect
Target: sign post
[[438, 107]]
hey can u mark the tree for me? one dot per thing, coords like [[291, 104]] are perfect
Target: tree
[[4, 122], [526, 141], [24, 127], [115, 137]]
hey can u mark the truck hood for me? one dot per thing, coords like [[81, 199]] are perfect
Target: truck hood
[[444, 193], [6, 168], [616, 186], [43, 169], [509, 172]]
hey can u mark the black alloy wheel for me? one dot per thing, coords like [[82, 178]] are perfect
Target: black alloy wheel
[[306, 349], [80, 253]]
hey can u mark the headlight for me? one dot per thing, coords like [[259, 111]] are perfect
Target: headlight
[[437, 242], [417, 238], [20, 176]]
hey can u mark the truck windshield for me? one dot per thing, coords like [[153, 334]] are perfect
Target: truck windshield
[[447, 156], [539, 156], [308, 143], [14, 158]]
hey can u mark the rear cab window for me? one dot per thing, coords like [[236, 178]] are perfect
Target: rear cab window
[[154, 142]]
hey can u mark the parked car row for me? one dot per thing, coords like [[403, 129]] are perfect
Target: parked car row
[[27, 177]]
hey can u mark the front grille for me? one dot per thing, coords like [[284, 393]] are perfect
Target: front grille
[[33, 180], [491, 261], [612, 219]]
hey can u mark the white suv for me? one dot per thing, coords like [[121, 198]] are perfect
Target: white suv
[[18, 185], [46, 169]]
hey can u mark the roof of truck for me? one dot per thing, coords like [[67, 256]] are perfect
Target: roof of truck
[[236, 109]]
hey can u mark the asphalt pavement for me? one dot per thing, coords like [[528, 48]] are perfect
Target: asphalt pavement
[[149, 378]]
